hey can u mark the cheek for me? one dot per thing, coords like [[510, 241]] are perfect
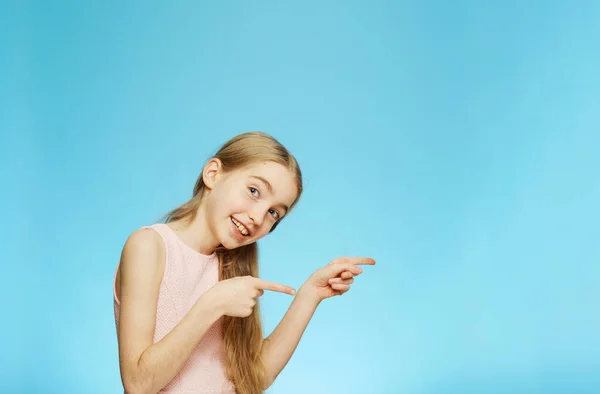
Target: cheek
[[222, 203], [266, 229], [235, 202]]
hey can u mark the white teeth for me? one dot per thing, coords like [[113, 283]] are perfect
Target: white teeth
[[240, 227]]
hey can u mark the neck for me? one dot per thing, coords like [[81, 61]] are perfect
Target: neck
[[197, 233]]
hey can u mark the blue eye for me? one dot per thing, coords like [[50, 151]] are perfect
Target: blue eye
[[253, 190], [274, 213]]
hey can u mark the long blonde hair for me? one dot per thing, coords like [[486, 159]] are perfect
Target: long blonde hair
[[242, 337]]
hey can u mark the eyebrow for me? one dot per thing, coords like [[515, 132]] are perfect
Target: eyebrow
[[268, 185]]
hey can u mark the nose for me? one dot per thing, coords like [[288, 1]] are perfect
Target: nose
[[256, 215]]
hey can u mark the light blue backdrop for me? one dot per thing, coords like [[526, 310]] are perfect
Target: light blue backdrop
[[455, 142]]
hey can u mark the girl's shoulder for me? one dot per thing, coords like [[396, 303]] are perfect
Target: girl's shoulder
[[145, 250], [142, 264], [144, 238]]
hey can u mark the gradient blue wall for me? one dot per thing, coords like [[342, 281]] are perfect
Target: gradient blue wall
[[455, 142]]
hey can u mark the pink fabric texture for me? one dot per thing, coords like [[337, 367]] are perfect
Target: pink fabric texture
[[188, 274]]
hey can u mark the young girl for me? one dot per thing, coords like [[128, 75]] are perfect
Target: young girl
[[185, 291]]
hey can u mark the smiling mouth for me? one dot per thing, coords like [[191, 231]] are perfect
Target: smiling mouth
[[241, 228]]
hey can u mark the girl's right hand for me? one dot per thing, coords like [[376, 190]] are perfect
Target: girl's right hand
[[237, 296]]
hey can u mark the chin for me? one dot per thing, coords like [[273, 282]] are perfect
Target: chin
[[229, 244]]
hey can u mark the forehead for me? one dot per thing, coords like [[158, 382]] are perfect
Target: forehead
[[281, 179]]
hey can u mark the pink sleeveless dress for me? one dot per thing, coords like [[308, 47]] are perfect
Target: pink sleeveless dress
[[188, 274]]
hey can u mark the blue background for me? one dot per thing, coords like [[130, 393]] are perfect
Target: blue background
[[454, 142]]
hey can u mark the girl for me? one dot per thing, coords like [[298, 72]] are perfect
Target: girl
[[185, 291]]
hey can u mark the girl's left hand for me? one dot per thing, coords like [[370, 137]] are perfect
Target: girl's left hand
[[335, 278]]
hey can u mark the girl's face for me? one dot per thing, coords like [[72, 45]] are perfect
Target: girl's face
[[243, 205]]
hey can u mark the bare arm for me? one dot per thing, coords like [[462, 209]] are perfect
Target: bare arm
[[280, 345], [147, 367], [331, 280]]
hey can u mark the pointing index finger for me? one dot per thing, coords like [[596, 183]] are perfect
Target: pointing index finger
[[355, 260], [266, 285], [362, 261]]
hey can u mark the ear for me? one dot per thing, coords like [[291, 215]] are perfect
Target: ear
[[211, 170]]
